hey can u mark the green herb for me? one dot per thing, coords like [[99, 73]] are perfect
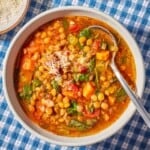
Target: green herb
[[85, 32], [77, 124], [65, 24], [121, 94], [36, 83], [91, 109], [55, 85], [83, 77], [96, 77], [92, 64], [73, 108], [91, 122], [26, 92]]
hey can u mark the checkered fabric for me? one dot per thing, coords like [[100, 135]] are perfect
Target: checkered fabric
[[135, 16]]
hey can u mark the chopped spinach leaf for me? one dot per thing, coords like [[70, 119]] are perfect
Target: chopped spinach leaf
[[26, 92], [36, 83], [73, 108], [65, 24], [96, 77], [91, 122], [121, 94], [86, 33], [83, 77], [92, 64], [77, 124], [55, 85]]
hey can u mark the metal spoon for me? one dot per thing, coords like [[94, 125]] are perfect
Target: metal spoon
[[133, 96]]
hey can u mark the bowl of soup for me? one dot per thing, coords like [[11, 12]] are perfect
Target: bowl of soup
[[57, 78]]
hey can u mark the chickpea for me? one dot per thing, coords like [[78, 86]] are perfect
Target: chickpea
[[102, 78], [107, 92], [46, 40], [111, 100], [49, 111], [53, 92], [43, 35], [32, 102], [106, 117], [37, 35], [106, 84], [61, 30], [65, 100], [86, 49], [100, 96], [37, 74], [89, 42], [94, 98], [62, 36], [48, 86], [36, 56], [66, 105], [96, 104], [31, 108], [79, 108], [62, 112], [82, 39], [59, 98], [62, 42], [61, 104], [104, 105], [61, 120], [71, 47], [45, 116], [56, 24]]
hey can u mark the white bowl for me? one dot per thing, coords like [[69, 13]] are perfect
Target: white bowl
[[10, 59]]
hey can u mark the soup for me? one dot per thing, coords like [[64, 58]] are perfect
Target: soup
[[63, 79]]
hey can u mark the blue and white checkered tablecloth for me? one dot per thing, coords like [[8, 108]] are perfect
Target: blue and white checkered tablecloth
[[135, 16]]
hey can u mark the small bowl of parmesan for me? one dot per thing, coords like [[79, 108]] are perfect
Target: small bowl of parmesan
[[11, 13]]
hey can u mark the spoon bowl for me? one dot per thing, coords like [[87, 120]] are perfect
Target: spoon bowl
[[137, 101]]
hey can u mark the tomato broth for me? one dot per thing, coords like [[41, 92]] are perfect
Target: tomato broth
[[63, 79]]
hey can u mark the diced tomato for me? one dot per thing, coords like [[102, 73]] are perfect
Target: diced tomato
[[82, 100], [95, 114], [96, 45], [73, 87], [72, 91], [74, 28], [83, 69]]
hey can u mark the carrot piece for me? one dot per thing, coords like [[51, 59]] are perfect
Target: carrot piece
[[27, 63], [88, 90]]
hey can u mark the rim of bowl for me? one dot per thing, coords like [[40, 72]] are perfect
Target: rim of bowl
[[85, 140], [23, 13]]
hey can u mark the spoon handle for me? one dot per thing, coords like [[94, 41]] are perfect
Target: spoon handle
[[133, 96]]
